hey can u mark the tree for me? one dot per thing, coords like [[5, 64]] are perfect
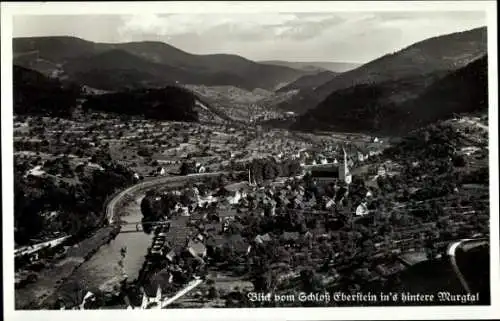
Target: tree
[[309, 280], [264, 279], [459, 161], [147, 207], [144, 152], [123, 254], [212, 293], [27, 218], [188, 168]]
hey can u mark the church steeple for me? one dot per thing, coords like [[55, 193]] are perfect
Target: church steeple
[[347, 174]]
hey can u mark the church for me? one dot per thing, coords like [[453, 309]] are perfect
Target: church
[[327, 173]]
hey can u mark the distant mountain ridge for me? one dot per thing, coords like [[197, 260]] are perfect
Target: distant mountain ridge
[[314, 66], [389, 94], [152, 62], [119, 69], [438, 55]]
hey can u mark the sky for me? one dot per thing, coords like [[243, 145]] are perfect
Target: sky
[[336, 37]]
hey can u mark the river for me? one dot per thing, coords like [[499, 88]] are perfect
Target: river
[[102, 268]]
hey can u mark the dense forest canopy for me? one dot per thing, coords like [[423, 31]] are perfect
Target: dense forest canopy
[[169, 103], [76, 196], [399, 106], [35, 93]]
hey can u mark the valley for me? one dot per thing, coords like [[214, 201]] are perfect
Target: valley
[[186, 180]]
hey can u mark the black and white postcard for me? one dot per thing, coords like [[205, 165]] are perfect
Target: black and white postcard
[[250, 160]]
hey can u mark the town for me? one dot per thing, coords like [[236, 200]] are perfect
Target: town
[[149, 177], [347, 204]]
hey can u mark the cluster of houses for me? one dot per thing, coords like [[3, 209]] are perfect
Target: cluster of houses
[[40, 170], [280, 194], [269, 200], [199, 168], [176, 257], [201, 246], [331, 155]]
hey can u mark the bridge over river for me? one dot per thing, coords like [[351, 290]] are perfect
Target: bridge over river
[[139, 225]]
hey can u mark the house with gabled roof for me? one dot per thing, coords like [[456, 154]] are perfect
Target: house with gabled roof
[[197, 249]]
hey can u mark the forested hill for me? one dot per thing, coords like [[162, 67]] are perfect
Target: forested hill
[[35, 93], [376, 108], [441, 53], [463, 91], [169, 103], [434, 56]]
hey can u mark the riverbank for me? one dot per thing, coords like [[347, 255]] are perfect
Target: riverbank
[[45, 290], [102, 273]]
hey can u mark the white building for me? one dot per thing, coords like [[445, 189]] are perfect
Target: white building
[[381, 171], [155, 301], [95, 166], [236, 197], [362, 209], [469, 150], [88, 297], [36, 171], [330, 203], [183, 210]]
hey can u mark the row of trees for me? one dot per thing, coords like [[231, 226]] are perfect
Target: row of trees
[[269, 168], [155, 205], [431, 142]]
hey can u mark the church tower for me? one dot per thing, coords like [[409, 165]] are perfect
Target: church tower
[[345, 173]]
